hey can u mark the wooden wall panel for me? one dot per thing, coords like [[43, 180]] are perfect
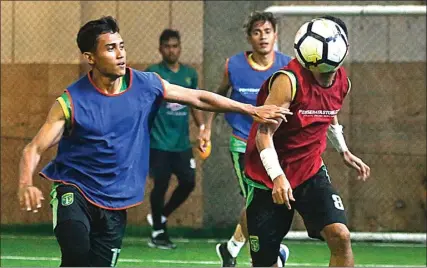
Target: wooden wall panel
[[28, 91], [388, 108], [11, 213], [390, 200], [60, 76]]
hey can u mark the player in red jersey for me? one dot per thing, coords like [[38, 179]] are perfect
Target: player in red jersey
[[284, 165]]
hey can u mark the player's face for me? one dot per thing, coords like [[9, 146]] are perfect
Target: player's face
[[110, 55], [170, 50], [262, 37]]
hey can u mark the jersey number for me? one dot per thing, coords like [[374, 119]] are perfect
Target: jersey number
[[337, 202], [116, 252]]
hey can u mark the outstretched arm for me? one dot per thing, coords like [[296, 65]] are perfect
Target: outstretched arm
[[280, 95], [50, 133], [209, 101]]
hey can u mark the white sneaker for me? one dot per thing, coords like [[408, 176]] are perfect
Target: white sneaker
[[283, 255], [150, 219]]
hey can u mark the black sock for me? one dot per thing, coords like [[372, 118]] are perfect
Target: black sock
[[157, 200]]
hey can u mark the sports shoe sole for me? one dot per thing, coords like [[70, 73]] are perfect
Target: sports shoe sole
[[152, 245]]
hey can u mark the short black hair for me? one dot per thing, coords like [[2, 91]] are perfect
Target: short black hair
[[87, 38], [259, 16], [338, 21], [168, 34]]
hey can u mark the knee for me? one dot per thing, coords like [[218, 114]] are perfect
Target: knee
[[160, 188], [343, 236], [187, 186], [337, 236]]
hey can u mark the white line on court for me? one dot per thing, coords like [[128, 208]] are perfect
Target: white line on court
[[214, 241], [194, 262]]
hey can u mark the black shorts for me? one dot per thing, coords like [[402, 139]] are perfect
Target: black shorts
[[316, 201], [105, 228], [163, 164]]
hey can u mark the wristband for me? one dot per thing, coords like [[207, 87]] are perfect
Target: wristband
[[271, 163], [336, 137]]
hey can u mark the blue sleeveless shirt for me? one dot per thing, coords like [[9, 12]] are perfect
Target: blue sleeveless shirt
[[245, 82], [106, 155]]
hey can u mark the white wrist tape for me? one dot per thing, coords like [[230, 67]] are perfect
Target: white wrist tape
[[336, 137], [270, 160]]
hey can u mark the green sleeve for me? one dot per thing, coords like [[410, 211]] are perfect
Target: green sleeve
[[65, 103]]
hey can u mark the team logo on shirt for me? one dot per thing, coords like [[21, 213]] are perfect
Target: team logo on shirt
[[174, 106], [248, 90], [318, 113], [254, 243], [67, 199]]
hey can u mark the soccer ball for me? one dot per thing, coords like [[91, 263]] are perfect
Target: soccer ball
[[321, 45]]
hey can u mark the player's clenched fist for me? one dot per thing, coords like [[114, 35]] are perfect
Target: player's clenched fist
[[30, 198]]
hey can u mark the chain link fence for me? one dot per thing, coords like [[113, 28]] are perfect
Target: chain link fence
[[384, 116]]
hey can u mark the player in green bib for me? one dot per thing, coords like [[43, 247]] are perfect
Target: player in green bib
[[171, 150]]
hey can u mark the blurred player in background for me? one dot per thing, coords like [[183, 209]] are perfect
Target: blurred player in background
[[171, 151], [244, 74], [102, 126], [285, 168]]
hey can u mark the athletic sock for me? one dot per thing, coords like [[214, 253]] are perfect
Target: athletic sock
[[234, 246]]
